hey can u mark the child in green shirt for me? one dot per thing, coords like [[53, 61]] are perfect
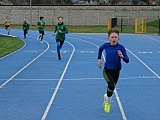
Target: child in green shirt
[[41, 25], [60, 31], [25, 27]]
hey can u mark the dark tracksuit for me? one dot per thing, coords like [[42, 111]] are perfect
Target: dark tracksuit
[[25, 27]]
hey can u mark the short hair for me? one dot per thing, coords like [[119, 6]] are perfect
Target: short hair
[[60, 17], [41, 18], [112, 30]]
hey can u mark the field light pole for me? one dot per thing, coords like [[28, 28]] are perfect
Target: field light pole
[[31, 13]]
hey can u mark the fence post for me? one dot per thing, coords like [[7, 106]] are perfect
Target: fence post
[[109, 24], [121, 24]]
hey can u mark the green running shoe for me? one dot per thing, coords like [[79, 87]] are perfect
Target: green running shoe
[[105, 95], [107, 107]]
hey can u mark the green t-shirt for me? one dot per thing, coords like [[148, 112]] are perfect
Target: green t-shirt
[[41, 25], [63, 28], [25, 25]]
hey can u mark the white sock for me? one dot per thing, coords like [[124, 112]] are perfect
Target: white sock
[[108, 99]]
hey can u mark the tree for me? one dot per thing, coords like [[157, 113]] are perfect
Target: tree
[[40, 2], [17, 2], [102, 2]]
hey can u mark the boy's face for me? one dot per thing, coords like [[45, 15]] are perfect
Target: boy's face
[[60, 20], [113, 38]]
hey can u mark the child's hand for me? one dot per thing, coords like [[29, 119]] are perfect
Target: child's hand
[[120, 54], [54, 34], [99, 63], [59, 31]]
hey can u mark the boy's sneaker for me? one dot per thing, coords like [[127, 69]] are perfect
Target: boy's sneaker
[[41, 41], [59, 57], [105, 95], [106, 105]]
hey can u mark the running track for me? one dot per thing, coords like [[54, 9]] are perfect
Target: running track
[[34, 85]]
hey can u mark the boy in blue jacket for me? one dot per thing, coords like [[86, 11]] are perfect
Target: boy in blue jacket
[[114, 52]]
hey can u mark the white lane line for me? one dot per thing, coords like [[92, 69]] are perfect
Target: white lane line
[[24, 67], [58, 85], [120, 105], [116, 93], [79, 79], [151, 38], [144, 64]]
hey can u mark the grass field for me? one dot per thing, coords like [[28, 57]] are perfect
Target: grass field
[[8, 45], [151, 28]]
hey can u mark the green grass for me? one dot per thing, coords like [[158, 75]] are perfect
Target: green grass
[[9, 45], [151, 28]]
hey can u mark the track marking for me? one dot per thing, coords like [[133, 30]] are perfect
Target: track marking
[[58, 85], [144, 64], [79, 79], [87, 51], [119, 103], [25, 67], [115, 91], [151, 38]]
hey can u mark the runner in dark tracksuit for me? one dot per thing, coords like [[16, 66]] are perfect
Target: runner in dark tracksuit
[[60, 31], [25, 27]]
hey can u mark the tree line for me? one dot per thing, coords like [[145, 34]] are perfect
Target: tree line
[[88, 2], [35, 2]]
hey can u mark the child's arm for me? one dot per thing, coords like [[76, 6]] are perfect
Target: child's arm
[[123, 55], [64, 31], [99, 56], [55, 30], [120, 54], [99, 63], [5, 22]]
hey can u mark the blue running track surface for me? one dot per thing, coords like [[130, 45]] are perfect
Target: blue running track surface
[[35, 85]]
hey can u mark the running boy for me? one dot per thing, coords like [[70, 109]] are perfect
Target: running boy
[[61, 30], [25, 28], [7, 24], [114, 52], [41, 25]]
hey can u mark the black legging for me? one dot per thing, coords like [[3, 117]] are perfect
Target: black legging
[[111, 77], [25, 31]]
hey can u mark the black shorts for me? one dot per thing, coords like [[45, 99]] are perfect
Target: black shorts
[[41, 32], [6, 26]]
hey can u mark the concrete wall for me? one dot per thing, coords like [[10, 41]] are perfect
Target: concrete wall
[[79, 15]]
